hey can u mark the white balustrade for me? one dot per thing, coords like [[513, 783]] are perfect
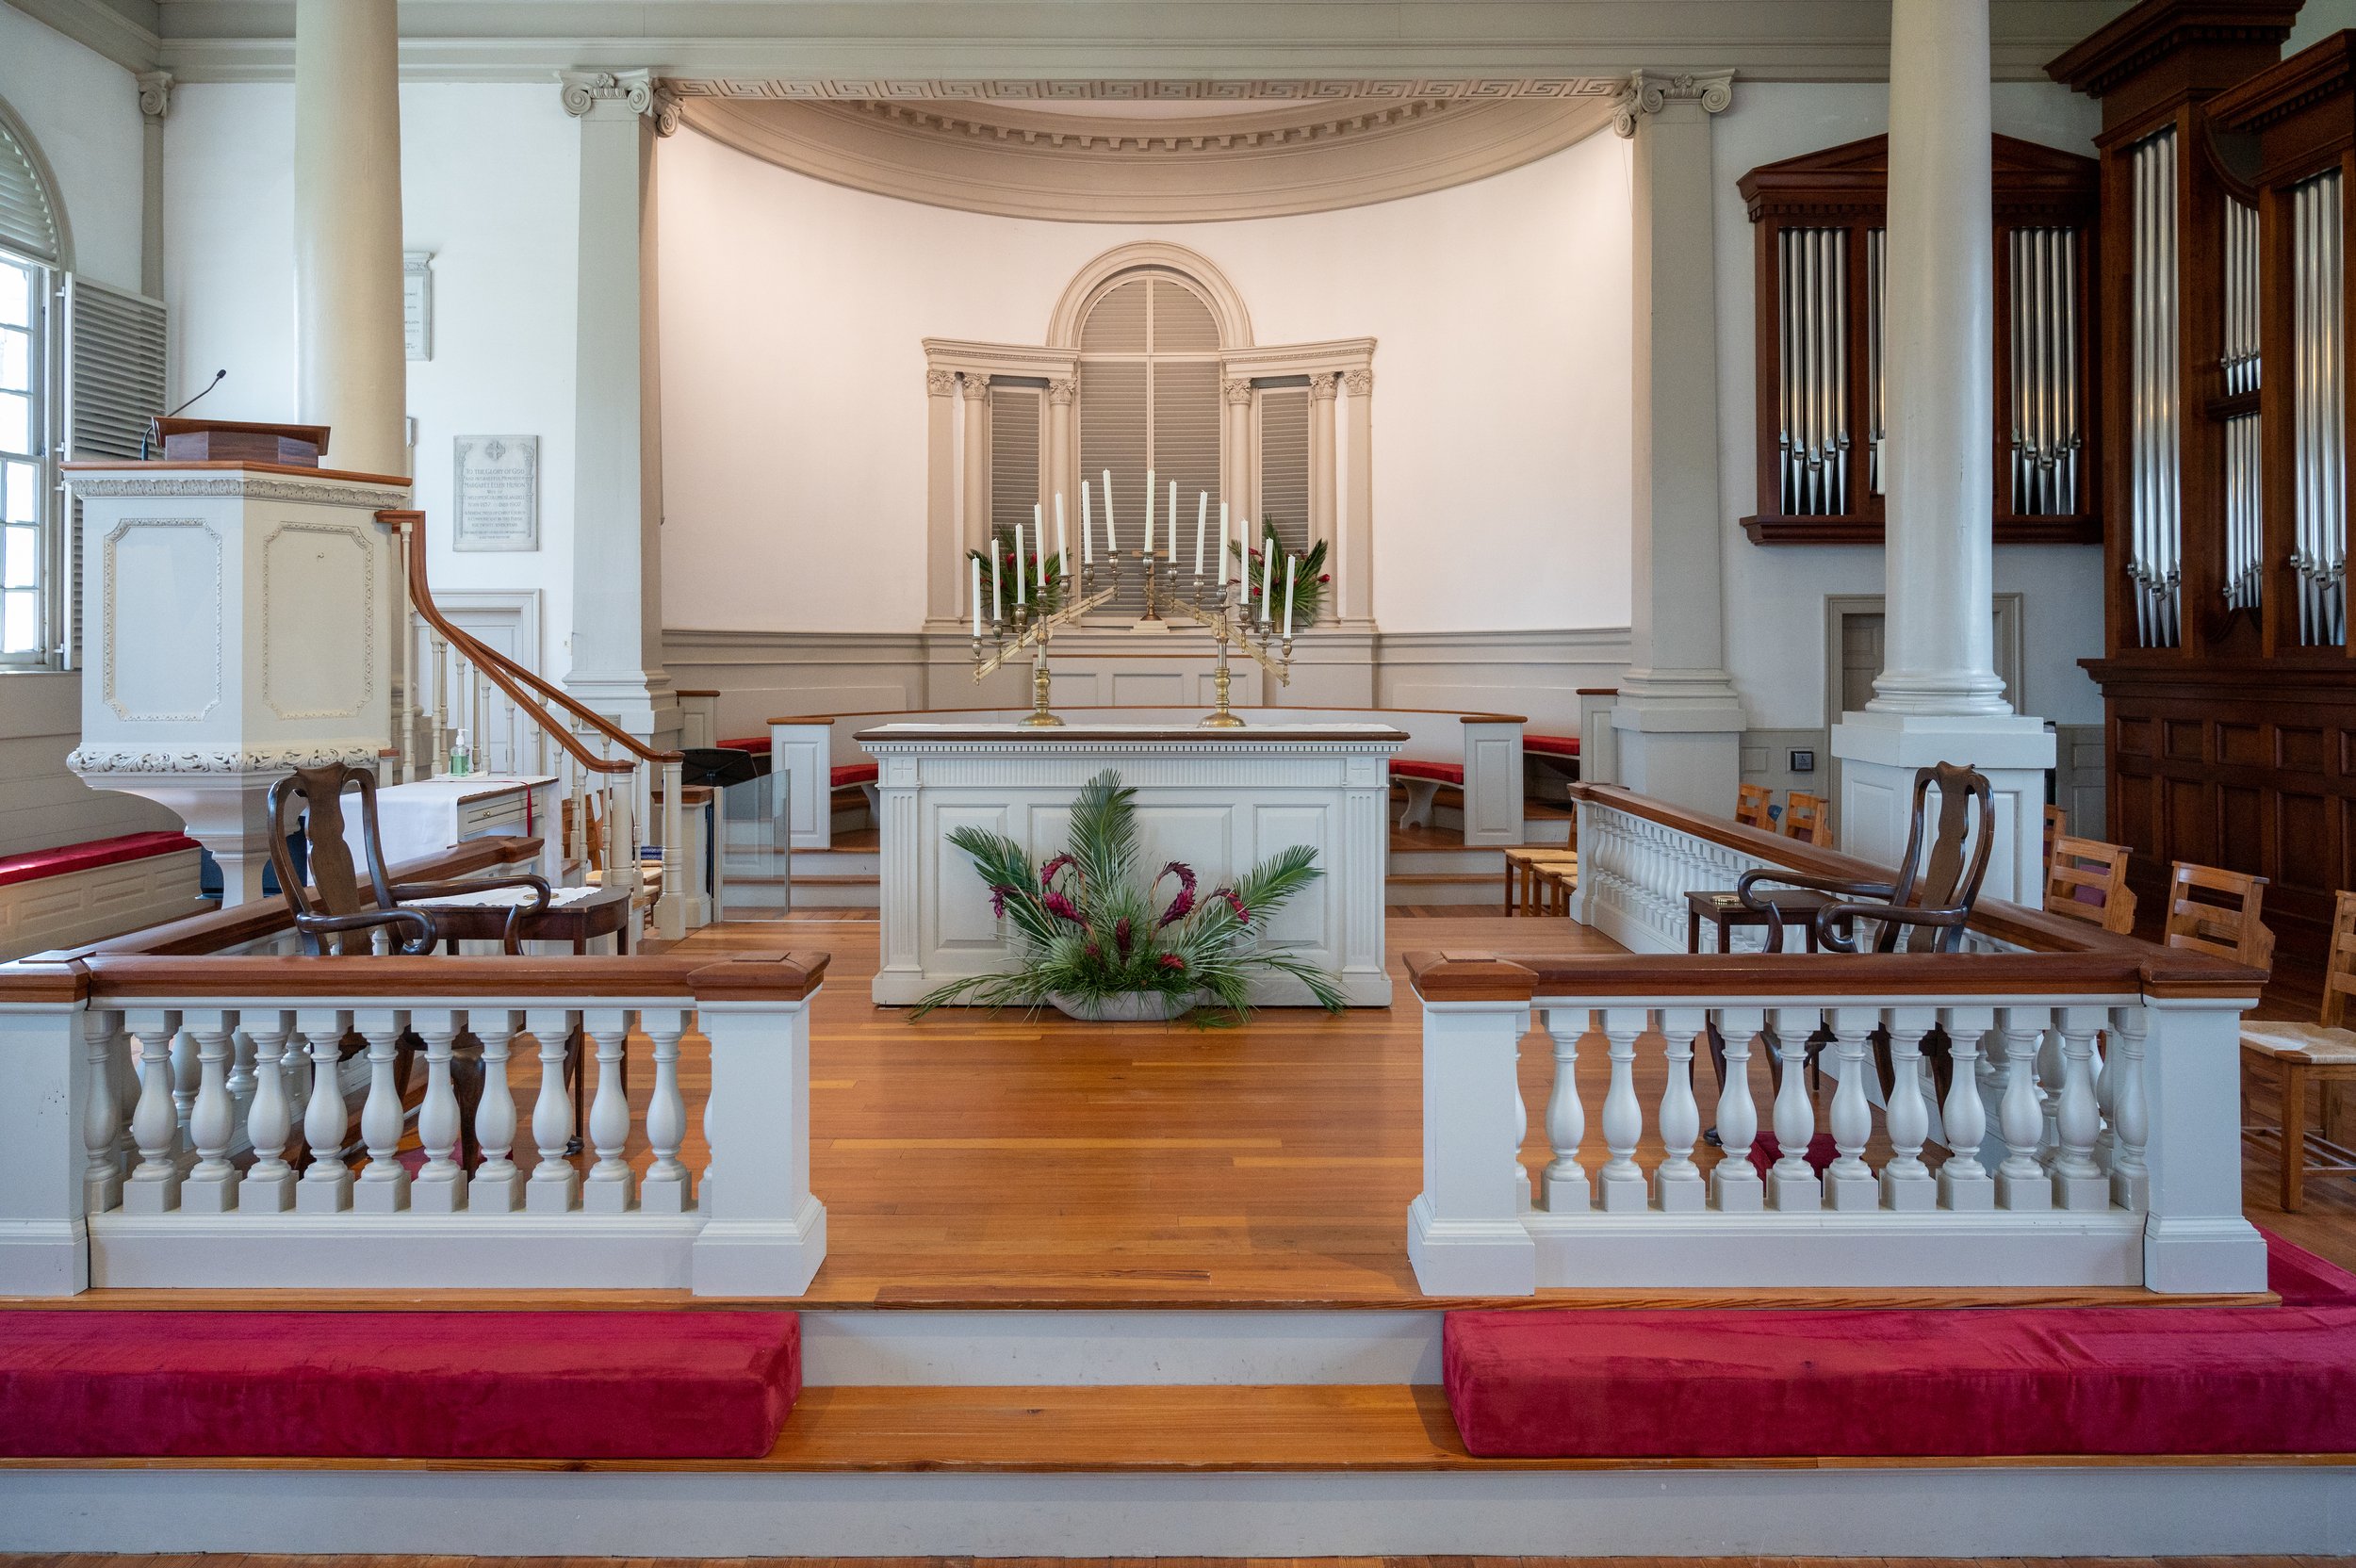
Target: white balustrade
[[113, 1174]]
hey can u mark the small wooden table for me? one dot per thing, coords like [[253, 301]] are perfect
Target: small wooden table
[[603, 913], [1726, 911]]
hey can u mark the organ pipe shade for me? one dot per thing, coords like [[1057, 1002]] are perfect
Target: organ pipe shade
[[2155, 543], [2045, 370], [1877, 292], [2238, 361], [2319, 405], [1813, 440]]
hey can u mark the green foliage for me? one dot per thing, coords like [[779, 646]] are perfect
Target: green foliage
[[1087, 926], [1046, 599], [1309, 584]]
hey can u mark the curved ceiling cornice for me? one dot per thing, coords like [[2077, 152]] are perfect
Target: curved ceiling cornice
[[1059, 164]]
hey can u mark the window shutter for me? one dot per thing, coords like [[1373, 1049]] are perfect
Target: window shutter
[[28, 222], [1285, 464], [1186, 445], [1112, 436], [114, 370], [1014, 444]]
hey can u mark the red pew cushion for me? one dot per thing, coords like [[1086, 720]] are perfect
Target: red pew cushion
[[1444, 773], [854, 772], [1550, 745], [397, 1384], [758, 744], [1987, 1382], [33, 865]]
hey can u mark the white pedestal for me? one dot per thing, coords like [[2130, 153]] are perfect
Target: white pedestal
[[1684, 747], [1879, 753], [1220, 800]]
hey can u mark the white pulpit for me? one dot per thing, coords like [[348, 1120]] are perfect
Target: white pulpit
[[1220, 800]]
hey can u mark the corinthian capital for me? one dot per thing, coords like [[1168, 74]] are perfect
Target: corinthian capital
[[1238, 391], [1650, 91], [940, 383], [976, 384], [1358, 383], [1324, 384], [635, 91], [1062, 391], [155, 93]]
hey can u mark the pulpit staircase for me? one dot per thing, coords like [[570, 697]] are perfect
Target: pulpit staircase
[[610, 782]]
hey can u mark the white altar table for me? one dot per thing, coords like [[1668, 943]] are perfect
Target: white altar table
[[1220, 800]]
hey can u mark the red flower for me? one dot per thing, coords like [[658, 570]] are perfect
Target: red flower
[[998, 901], [1121, 937], [1047, 873], [1172, 962], [1061, 907], [1325, 577], [1243, 916]]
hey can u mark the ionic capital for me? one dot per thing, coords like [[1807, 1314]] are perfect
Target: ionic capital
[[1650, 91], [584, 92], [155, 93]]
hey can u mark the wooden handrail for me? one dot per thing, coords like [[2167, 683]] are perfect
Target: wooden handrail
[[1822, 978], [117, 979], [2163, 971], [506, 673]]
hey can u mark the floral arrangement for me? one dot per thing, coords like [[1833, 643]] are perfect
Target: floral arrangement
[[1048, 599], [1310, 581], [1088, 932]]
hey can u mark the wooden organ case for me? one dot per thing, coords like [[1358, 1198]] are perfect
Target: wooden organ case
[[2228, 677]]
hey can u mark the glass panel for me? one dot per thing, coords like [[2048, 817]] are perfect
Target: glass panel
[[16, 295], [23, 503], [16, 423], [23, 560], [20, 622], [16, 361]]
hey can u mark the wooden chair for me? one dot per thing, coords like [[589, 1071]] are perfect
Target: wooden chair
[[1938, 882], [1808, 819], [2057, 825], [2087, 879], [332, 908], [1752, 803], [2216, 912], [2323, 1052]]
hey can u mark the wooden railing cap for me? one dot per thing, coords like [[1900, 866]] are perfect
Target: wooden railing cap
[[1470, 977], [394, 979], [40, 983], [760, 977]]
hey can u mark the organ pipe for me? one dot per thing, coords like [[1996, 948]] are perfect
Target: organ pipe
[[2238, 363], [2155, 544], [2319, 404], [1876, 278], [2045, 434], [1814, 308]]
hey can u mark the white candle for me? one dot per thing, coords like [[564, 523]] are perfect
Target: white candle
[[997, 601], [1268, 580], [1292, 564], [1222, 546], [1088, 529], [1201, 518], [1039, 541], [976, 598], [1170, 522], [1063, 546], [1111, 542], [1020, 598], [1149, 513]]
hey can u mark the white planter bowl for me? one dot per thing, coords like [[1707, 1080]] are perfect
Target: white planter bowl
[[1127, 1008]]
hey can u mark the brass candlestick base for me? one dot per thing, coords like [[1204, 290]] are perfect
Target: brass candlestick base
[[1038, 717], [1221, 680]]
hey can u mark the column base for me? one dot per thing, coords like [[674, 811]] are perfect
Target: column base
[[1879, 752], [1678, 737]]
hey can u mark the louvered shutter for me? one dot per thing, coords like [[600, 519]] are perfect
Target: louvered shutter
[[114, 359], [1285, 464], [1014, 455], [28, 223], [1112, 438]]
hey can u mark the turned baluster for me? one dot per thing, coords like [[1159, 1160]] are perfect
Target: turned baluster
[[1963, 1181], [102, 1112], [440, 729], [1677, 1185], [1566, 1184], [671, 913], [2050, 1073], [1792, 1183], [384, 1183], [554, 1187], [1848, 1181], [268, 1185], [154, 1187], [609, 1188], [498, 1183], [187, 1073], [2079, 1182], [440, 1187], [2020, 1180], [326, 1186], [210, 1185], [1622, 1180], [241, 1078], [2130, 1109], [665, 1188], [1907, 1182], [1735, 1185]]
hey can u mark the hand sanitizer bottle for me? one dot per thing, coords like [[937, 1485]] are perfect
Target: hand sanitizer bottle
[[461, 757]]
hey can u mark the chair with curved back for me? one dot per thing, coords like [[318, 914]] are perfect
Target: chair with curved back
[[333, 908], [1929, 902]]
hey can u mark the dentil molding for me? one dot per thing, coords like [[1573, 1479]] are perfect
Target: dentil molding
[[1648, 92]]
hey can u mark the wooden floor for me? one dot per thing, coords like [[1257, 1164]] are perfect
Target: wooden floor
[[98, 1559]]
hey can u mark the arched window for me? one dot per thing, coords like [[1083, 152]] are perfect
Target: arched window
[[30, 243]]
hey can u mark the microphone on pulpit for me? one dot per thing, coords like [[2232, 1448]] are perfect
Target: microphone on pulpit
[[147, 437]]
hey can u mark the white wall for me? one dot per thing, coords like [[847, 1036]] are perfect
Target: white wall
[[795, 405], [1774, 594], [490, 178]]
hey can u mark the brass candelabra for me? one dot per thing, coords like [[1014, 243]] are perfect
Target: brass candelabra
[[1229, 621], [1033, 626]]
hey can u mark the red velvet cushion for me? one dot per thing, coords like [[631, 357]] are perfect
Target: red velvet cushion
[[388, 1384], [854, 772], [756, 743], [1550, 745], [35, 864], [1750, 1384], [2303, 1280], [1446, 772]]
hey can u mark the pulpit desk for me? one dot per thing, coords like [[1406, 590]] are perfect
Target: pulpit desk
[[1220, 800]]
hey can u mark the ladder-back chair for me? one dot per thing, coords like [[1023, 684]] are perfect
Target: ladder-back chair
[[2216, 912], [1808, 818], [2321, 1052], [1751, 804], [2087, 879]]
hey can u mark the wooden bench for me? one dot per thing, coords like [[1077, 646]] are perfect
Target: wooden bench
[[72, 893]]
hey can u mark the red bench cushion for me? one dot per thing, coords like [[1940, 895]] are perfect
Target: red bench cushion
[[397, 1384], [1444, 773], [1550, 745], [758, 744], [1750, 1384], [35, 864], [854, 772]]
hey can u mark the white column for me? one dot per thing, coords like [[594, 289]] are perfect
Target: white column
[[1938, 698], [349, 370], [976, 391], [1354, 556], [1324, 390], [945, 555], [1678, 721], [617, 453], [155, 103], [1234, 469], [1062, 459]]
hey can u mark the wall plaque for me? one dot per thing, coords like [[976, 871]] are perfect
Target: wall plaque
[[499, 493], [417, 304]]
